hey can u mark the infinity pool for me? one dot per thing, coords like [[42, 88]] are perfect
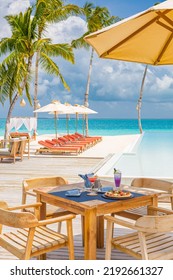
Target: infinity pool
[[152, 156]]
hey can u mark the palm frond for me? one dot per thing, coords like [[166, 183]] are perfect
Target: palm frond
[[63, 13], [63, 50], [80, 42], [28, 93], [50, 67], [88, 8], [7, 45], [40, 44]]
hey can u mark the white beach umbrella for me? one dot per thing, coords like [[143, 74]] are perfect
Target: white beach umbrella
[[56, 108], [82, 110], [67, 110], [74, 109]]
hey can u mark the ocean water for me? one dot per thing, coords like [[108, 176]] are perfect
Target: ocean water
[[104, 127]]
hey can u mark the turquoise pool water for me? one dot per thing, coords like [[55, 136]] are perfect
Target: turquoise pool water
[[152, 156]]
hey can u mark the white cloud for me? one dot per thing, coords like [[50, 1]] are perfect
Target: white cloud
[[18, 5], [67, 30], [164, 83], [10, 7], [113, 83]]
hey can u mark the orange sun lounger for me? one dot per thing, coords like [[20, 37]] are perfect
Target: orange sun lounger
[[96, 138], [59, 143], [53, 148], [75, 138], [70, 142]]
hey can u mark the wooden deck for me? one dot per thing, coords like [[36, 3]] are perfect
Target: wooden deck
[[11, 176]]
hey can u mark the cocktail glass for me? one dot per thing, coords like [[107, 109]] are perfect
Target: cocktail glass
[[117, 179]]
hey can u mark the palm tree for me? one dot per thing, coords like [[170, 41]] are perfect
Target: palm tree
[[96, 18], [23, 44], [50, 11], [16, 67]]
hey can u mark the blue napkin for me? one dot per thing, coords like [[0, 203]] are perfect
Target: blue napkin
[[86, 180], [74, 192], [106, 189]]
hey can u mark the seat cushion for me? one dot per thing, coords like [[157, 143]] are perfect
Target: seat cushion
[[4, 151]]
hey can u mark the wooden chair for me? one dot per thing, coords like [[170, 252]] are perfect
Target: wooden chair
[[32, 238], [151, 240], [22, 136], [166, 195], [21, 148], [11, 151], [27, 192]]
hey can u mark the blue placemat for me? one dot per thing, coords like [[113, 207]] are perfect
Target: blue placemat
[[84, 197]]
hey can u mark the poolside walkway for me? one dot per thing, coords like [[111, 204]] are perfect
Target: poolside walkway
[[109, 145], [11, 176]]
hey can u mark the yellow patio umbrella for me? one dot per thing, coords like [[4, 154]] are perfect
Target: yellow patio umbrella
[[146, 37]]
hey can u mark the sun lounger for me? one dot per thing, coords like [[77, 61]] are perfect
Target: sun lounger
[[97, 138], [70, 142], [73, 137], [61, 144], [52, 148]]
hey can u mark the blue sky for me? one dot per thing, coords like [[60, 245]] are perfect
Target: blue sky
[[115, 85]]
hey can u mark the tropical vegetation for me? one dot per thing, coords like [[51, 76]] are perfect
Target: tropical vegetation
[[47, 12], [28, 44], [25, 42]]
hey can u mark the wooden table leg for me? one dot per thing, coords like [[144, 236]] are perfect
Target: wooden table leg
[[42, 213], [100, 232], [155, 204], [42, 216], [90, 234]]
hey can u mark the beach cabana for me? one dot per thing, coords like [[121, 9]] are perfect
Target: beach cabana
[[17, 122]]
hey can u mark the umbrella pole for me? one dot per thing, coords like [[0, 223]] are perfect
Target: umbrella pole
[[83, 124], [67, 123], [139, 104], [56, 126], [76, 122]]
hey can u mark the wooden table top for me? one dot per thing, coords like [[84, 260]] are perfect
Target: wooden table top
[[103, 206]]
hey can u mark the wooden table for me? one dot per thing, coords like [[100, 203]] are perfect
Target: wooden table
[[93, 211]]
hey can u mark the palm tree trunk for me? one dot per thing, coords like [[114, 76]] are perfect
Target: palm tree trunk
[[87, 91], [139, 104], [36, 87], [12, 104]]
